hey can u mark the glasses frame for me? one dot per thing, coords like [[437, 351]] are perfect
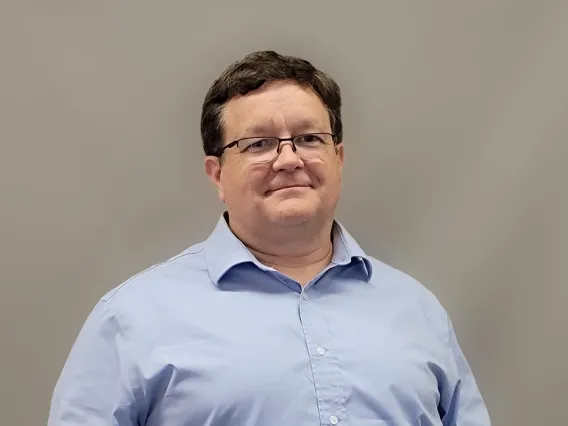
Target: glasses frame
[[280, 140]]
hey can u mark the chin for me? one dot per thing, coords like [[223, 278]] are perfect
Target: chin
[[292, 212]]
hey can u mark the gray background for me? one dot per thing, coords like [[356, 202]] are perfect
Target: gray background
[[456, 146]]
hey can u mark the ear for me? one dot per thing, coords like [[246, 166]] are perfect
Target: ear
[[339, 152], [213, 171]]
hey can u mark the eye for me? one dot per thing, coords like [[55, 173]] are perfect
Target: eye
[[309, 139], [262, 144]]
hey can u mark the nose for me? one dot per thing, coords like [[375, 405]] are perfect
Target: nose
[[287, 159]]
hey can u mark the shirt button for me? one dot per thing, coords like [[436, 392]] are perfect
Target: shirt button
[[333, 420], [320, 351]]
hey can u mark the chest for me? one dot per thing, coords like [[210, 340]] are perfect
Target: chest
[[301, 359]]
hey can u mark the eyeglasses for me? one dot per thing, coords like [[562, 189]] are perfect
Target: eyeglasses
[[266, 149]]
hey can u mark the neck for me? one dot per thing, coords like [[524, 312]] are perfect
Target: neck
[[299, 251]]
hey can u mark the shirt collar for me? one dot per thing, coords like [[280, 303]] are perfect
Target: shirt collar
[[223, 251]]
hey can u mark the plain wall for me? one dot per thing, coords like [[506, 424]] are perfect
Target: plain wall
[[456, 124]]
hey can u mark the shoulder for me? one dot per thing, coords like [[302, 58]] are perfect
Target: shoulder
[[186, 271], [153, 306], [405, 289]]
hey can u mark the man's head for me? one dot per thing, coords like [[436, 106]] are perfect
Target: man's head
[[264, 181]]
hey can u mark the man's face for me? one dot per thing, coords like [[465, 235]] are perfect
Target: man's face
[[288, 190]]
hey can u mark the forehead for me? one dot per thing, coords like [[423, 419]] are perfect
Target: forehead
[[273, 109]]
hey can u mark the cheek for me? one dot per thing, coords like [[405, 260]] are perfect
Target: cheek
[[326, 173], [241, 184]]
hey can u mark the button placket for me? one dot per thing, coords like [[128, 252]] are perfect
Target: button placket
[[328, 379]]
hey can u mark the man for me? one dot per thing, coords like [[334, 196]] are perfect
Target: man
[[279, 317]]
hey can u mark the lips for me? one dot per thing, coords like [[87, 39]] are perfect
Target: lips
[[292, 186], [286, 187]]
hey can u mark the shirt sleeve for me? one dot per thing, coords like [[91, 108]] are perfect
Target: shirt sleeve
[[465, 407], [97, 385]]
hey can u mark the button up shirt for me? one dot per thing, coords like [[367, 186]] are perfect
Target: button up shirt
[[213, 337]]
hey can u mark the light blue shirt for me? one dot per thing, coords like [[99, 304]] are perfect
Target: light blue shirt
[[213, 337]]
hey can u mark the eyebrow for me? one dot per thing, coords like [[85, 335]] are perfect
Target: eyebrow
[[264, 129]]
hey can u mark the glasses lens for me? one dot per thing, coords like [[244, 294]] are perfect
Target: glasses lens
[[260, 149], [311, 145]]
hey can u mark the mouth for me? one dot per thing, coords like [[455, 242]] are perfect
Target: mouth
[[289, 187]]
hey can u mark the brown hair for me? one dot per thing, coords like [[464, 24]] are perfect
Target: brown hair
[[250, 73]]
